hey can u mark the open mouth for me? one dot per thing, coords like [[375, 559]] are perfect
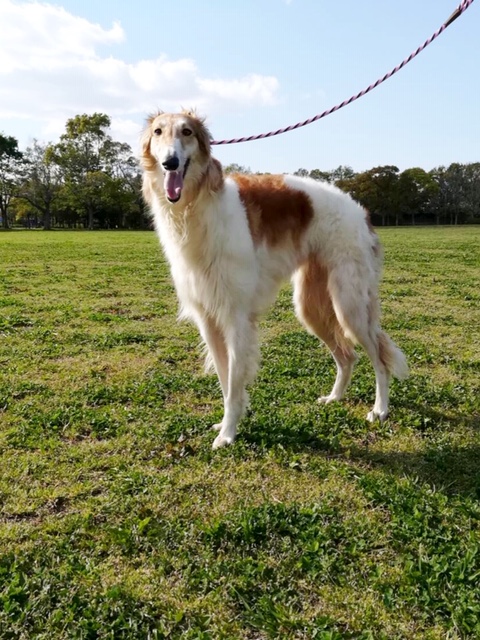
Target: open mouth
[[173, 183]]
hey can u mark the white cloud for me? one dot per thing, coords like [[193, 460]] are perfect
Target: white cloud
[[127, 130], [43, 37], [50, 70], [253, 88]]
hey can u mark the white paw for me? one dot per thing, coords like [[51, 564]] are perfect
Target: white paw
[[327, 399], [216, 427], [222, 441], [373, 416]]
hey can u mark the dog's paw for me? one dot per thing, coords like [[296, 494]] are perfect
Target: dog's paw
[[216, 427], [327, 399], [373, 416], [222, 441]]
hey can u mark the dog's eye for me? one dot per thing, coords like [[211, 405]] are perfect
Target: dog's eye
[[158, 132], [187, 132]]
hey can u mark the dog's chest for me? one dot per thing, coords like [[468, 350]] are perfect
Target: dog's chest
[[213, 262], [204, 278]]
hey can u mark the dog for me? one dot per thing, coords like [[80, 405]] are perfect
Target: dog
[[231, 241]]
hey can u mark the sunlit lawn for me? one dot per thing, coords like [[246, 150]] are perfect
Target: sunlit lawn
[[118, 521]]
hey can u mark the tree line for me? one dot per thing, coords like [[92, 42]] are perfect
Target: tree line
[[444, 195], [88, 180], [85, 180]]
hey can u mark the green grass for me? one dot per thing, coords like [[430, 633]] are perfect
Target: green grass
[[118, 521]]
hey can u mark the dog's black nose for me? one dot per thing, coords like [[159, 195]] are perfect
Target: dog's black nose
[[171, 164]]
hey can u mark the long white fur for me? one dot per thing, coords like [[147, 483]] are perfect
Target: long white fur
[[224, 281]]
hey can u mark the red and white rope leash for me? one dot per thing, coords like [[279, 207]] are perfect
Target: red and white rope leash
[[463, 6]]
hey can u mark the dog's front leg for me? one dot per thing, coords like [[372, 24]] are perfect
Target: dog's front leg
[[239, 340], [216, 349]]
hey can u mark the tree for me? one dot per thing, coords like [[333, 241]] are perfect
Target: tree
[[376, 190], [83, 153], [236, 168], [42, 180], [457, 196], [10, 170], [124, 169], [316, 174], [342, 172], [416, 189], [472, 176], [303, 173]]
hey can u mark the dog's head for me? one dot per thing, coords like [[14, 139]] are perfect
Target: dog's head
[[177, 144]]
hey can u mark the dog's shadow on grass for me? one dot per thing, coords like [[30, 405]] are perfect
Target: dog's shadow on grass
[[320, 430], [448, 464], [454, 470], [445, 463]]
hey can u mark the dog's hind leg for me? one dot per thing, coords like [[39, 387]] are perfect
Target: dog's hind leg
[[241, 342], [314, 309], [393, 360], [355, 301]]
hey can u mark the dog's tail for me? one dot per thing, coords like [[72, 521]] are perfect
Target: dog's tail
[[392, 357]]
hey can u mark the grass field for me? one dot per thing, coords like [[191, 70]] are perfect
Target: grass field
[[118, 521]]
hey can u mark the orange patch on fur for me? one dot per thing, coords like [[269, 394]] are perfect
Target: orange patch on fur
[[276, 212], [317, 309], [384, 351]]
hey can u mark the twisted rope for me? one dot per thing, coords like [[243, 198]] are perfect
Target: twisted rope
[[463, 6]]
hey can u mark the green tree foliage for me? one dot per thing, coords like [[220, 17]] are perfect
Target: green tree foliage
[[457, 198], [316, 174], [303, 173], [376, 190], [124, 172], [340, 173], [100, 177], [416, 190], [41, 183], [11, 161], [83, 154], [236, 168], [90, 180], [442, 196]]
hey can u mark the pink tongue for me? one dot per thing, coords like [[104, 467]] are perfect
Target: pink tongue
[[173, 184]]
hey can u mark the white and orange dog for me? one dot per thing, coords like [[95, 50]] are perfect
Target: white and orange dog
[[231, 242]]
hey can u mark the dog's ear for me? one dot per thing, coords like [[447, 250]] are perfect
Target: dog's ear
[[146, 158], [214, 176], [203, 136], [192, 113]]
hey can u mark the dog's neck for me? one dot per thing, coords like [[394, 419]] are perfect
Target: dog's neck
[[186, 219]]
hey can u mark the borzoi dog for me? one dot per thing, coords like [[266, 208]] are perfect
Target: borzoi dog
[[232, 240]]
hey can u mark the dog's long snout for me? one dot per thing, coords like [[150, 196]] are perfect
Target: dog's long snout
[[171, 163]]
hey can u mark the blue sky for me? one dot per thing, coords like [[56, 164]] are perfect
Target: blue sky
[[252, 66]]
